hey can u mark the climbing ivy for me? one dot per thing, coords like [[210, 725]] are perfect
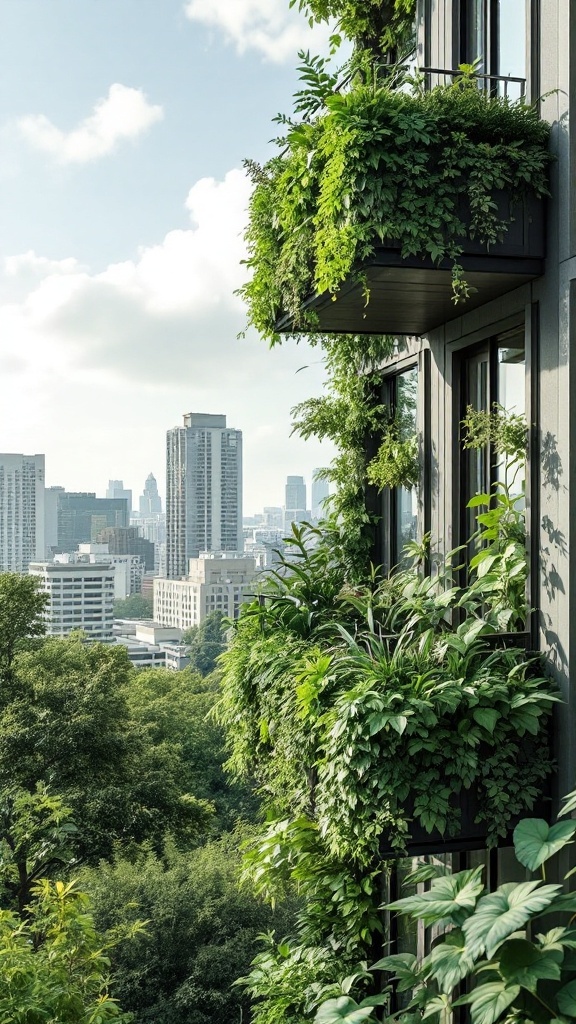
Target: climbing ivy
[[383, 27]]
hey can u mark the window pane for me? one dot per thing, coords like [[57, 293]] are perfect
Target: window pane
[[512, 35], [406, 499], [512, 396]]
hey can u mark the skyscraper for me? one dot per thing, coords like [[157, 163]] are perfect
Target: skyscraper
[[116, 489], [203, 490], [150, 502], [21, 511], [320, 493], [295, 493]]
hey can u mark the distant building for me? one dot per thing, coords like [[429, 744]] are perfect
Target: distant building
[[203, 490], [149, 645], [214, 583], [51, 495], [295, 493], [320, 494], [116, 489], [150, 502], [128, 569], [126, 540], [274, 517], [81, 517], [80, 596], [295, 515], [22, 485]]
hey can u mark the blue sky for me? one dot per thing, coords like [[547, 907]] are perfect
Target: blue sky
[[123, 125]]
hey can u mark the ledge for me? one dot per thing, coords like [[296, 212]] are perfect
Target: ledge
[[412, 296]]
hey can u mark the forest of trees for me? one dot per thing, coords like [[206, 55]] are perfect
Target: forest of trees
[[115, 810]]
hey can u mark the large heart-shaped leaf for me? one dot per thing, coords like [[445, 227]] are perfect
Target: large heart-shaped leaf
[[500, 913], [343, 1011], [535, 841], [522, 963], [487, 1002], [450, 898], [566, 999]]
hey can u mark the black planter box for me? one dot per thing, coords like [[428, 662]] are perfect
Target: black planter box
[[471, 835], [413, 296]]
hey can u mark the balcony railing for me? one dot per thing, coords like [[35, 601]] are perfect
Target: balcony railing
[[497, 85]]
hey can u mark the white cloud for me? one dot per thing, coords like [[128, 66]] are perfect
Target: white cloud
[[268, 26], [124, 113], [101, 364]]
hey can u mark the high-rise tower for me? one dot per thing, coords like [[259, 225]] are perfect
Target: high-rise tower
[[150, 503], [203, 490], [116, 489], [22, 484]]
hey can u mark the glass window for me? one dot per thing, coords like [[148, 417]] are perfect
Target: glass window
[[405, 499], [513, 27], [399, 506], [493, 36], [493, 380]]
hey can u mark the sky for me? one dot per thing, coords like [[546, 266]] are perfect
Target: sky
[[123, 128]]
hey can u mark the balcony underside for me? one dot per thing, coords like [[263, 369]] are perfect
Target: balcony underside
[[413, 296]]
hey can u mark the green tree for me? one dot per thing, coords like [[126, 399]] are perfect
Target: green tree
[[69, 727], [200, 936], [175, 709], [21, 618], [55, 965], [134, 607], [206, 642]]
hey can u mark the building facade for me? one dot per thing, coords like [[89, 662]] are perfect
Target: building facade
[[81, 516], [80, 597], [203, 490], [214, 584], [22, 486], [127, 540]]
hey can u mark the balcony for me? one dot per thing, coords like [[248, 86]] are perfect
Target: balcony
[[394, 214], [413, 295]]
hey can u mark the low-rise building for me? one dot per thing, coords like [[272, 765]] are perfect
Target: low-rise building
[[214, 583], [80, 596]]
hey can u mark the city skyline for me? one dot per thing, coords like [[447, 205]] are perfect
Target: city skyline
[[122, 210]]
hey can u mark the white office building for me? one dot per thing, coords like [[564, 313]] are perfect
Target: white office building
[[80, 596], [214, 583], [203, 490], [22, 482]]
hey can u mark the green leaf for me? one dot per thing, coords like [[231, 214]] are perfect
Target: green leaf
[[535, 841], [524, 964], [569, 804], [566, 999], [342, 1011], [486, 717], [487, 1002], [449, 962], [450, 898], [500, 913]]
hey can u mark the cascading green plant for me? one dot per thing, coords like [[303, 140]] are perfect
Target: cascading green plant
[[360, 713], [381, 165]]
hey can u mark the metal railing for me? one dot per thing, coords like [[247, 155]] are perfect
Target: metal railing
[[490, 81]]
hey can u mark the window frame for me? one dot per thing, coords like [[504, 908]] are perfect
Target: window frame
[[387, 553], [529, 637]]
